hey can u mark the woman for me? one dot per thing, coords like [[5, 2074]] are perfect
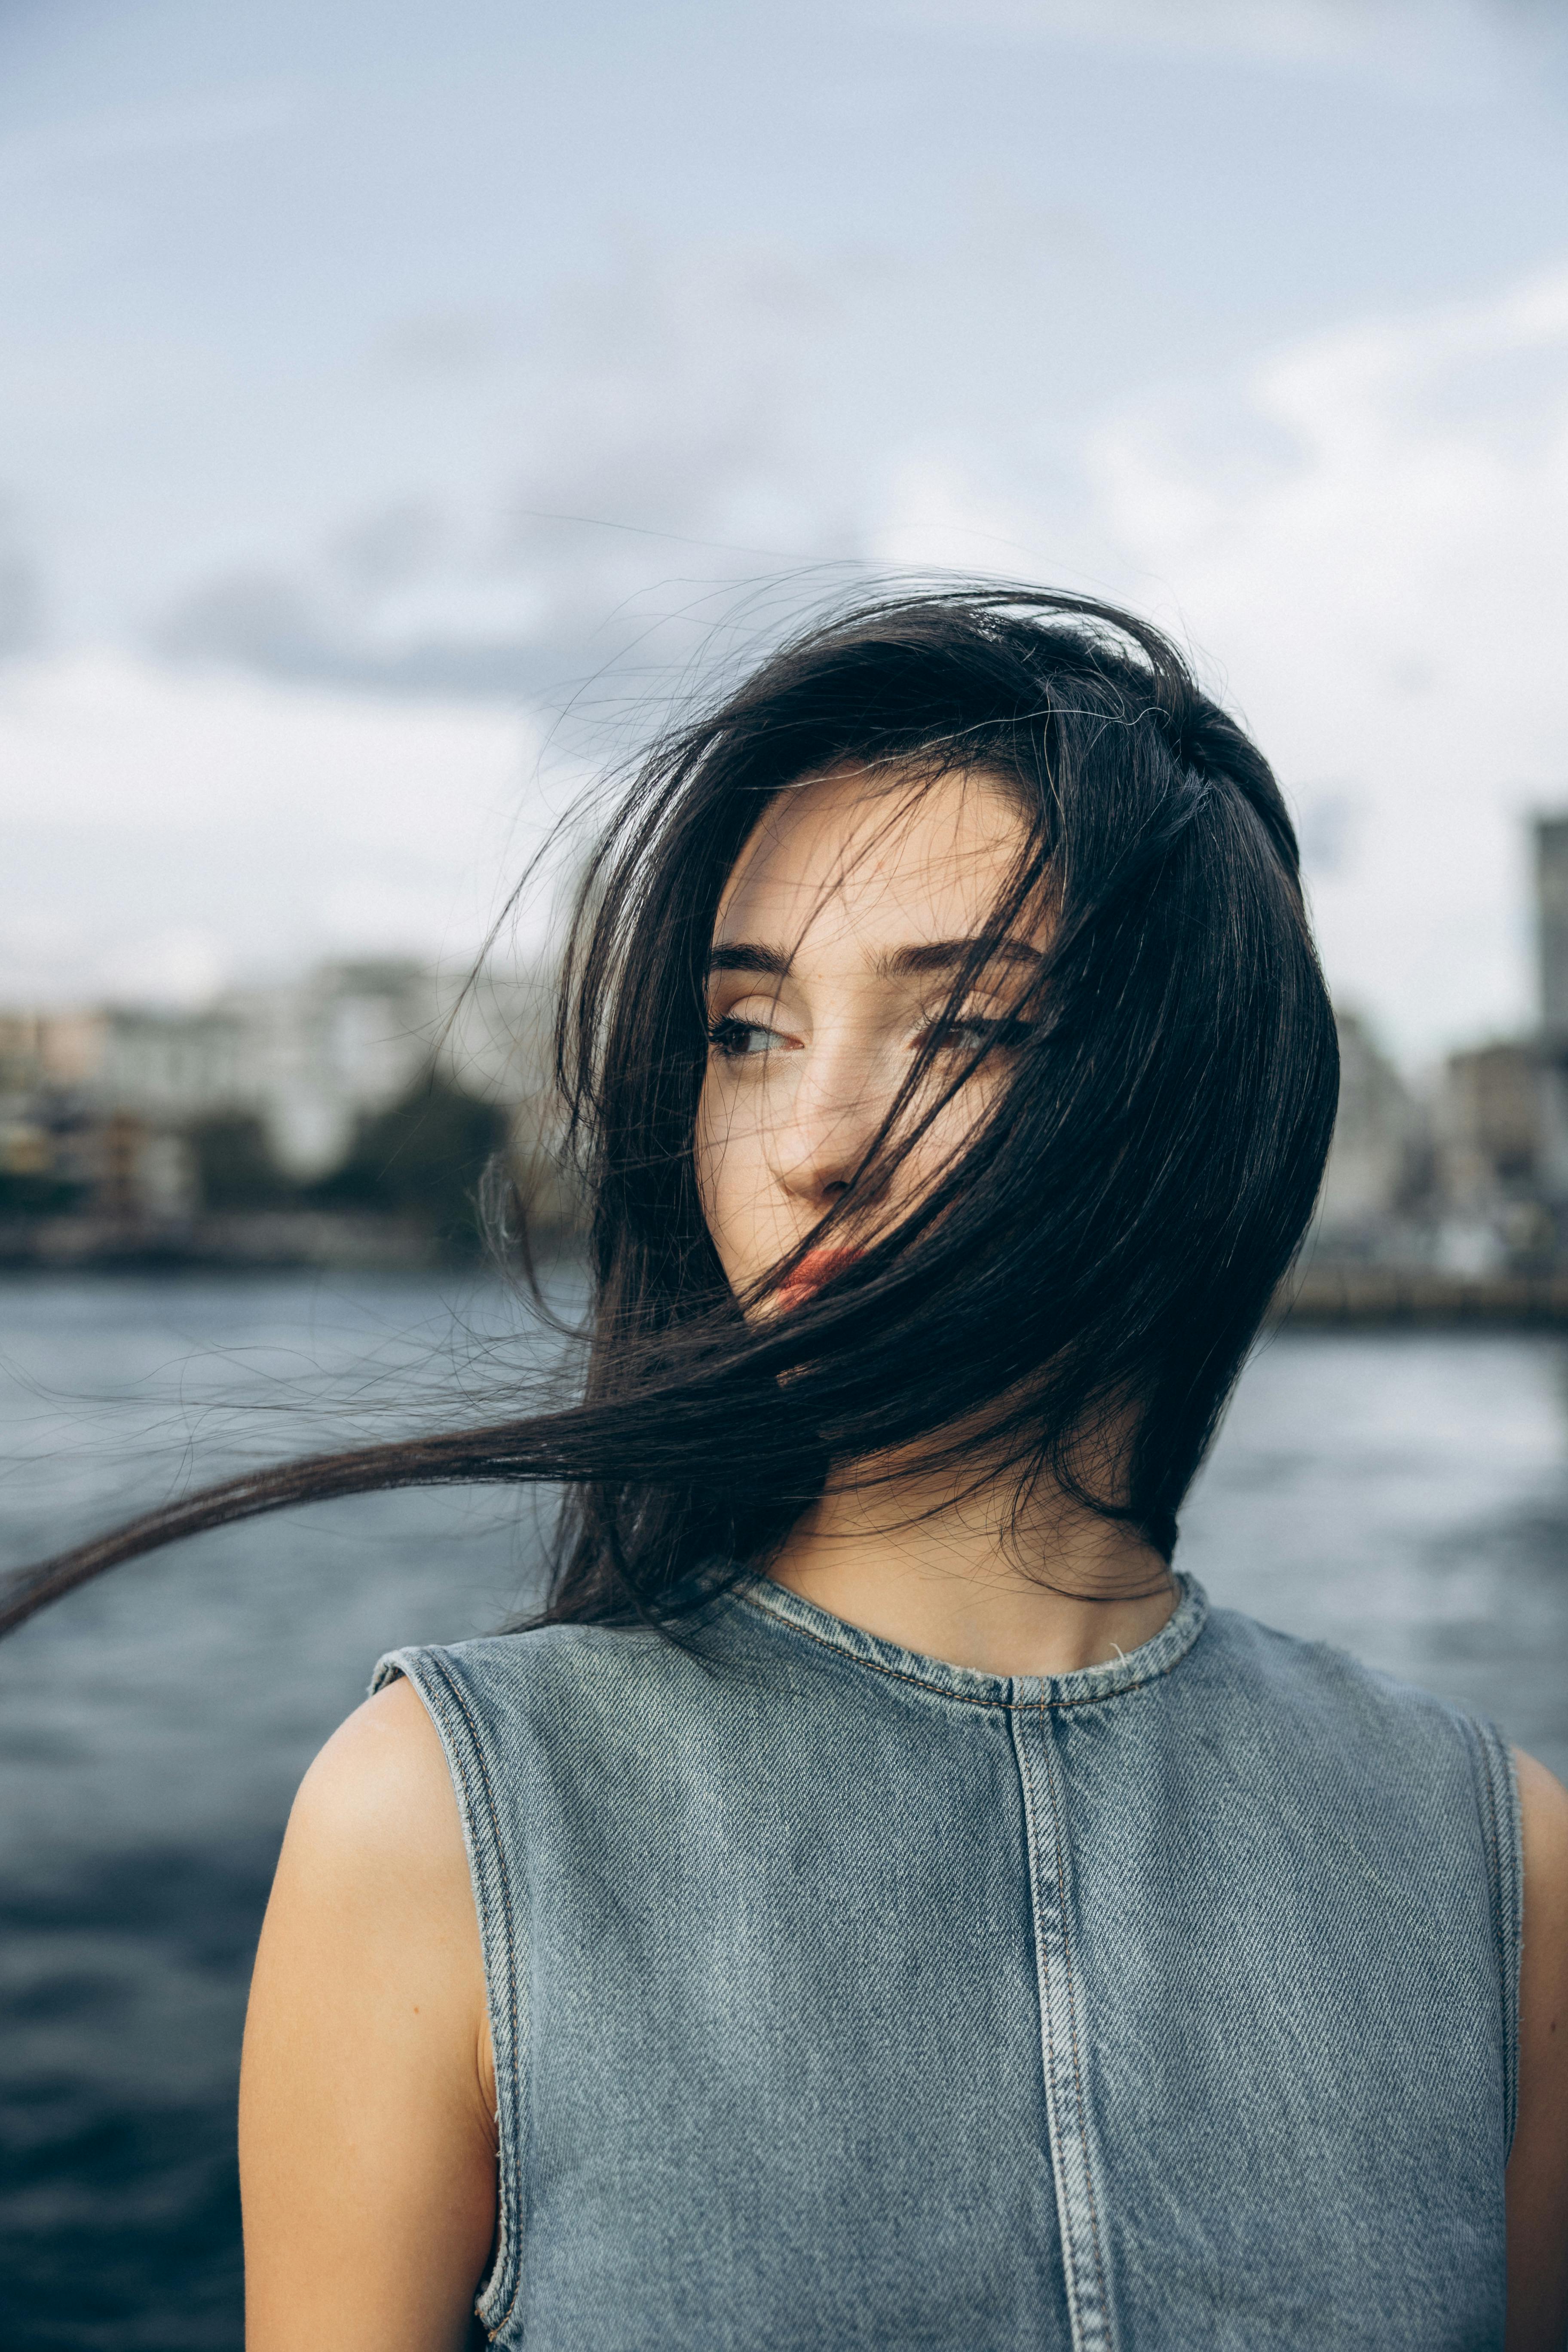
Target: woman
[[877, 1903]]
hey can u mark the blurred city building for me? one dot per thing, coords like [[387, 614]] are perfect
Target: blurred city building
[[1552, 923], [1467, 1179], [1378, 1184], [365, 1090], [1501, 1113]]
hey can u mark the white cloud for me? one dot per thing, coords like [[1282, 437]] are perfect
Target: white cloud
[[1423, 41], [669, 435], [121, 134], [167, 832], [1381, 569], [1362, 536]]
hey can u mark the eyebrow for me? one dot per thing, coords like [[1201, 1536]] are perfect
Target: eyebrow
[[896, 963]]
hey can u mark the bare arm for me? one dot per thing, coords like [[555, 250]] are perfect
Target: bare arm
[[367, 2111], [1537, 2168]]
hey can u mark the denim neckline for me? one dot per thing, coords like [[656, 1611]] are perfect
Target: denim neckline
[[1082, 1687]]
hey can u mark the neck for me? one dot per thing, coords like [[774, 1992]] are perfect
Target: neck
[[954, 1578]]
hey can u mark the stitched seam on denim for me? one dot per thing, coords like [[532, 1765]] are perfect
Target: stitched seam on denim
[[1497, 1780], [959, 1698], [1043, 1986], [512, 2248], [1481, 1765], [1489, 1826], [1094, 2226], [1044, 1976], [1513, 1920], [1497, 1892]]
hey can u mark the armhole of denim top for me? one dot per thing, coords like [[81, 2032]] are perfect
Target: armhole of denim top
[[501, 1911], [1499, 1793]]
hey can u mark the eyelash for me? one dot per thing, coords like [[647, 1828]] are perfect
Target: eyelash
[[1005, 1030], [726, 1035]]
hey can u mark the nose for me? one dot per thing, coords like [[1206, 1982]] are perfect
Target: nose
[[836, 1109]]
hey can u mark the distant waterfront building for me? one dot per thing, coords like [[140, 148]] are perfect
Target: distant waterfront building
[[48, 1140], [1490, 1128], [53, 1050], [1377, 1163], [1502, 1110], [1552, 945], [141, 1172], [306, 1058], [127, 1105], [170, 1067], [1551, 925], [319, 1054]]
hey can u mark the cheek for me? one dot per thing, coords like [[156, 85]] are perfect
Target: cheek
[[949, 1132], [706, 1154], [721, 1153], [733, 1182]]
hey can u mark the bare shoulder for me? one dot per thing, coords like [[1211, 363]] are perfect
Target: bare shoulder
[[1543, 1976], [368, 2120], [1544, 1811], [1543, 1972], [1538, 2168], [374, 1876], [373, 1867], [380, 1790]]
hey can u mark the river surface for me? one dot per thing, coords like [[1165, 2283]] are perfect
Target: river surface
[[1405, 1495]]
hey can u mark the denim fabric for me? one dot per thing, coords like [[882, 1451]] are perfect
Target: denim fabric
[[845, 1998]]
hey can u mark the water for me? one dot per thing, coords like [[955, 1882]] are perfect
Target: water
[[1406, 1495]]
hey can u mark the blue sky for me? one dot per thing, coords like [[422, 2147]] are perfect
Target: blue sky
[[374, 376]]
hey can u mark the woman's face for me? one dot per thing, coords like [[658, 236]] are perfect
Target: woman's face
[[835, 951]]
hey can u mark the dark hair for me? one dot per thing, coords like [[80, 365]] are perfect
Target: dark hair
[[1099, 1259]]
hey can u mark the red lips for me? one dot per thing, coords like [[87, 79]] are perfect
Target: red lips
[[817, 1267]]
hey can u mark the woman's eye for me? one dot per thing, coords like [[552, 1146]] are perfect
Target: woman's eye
[[741, 1041], [971, 1031]]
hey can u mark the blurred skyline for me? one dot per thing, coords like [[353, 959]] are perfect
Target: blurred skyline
[[377, 376]]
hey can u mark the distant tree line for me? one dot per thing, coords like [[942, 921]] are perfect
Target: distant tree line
[[424, 1160]]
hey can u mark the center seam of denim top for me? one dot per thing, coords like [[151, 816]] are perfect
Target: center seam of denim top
[[967, 1685]]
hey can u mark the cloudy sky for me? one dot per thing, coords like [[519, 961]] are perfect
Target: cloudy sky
[[398, 398]]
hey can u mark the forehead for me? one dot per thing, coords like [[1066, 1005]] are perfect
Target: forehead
[[875, 853]]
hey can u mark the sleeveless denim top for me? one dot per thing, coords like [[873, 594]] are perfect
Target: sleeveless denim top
[[842, 1998]]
